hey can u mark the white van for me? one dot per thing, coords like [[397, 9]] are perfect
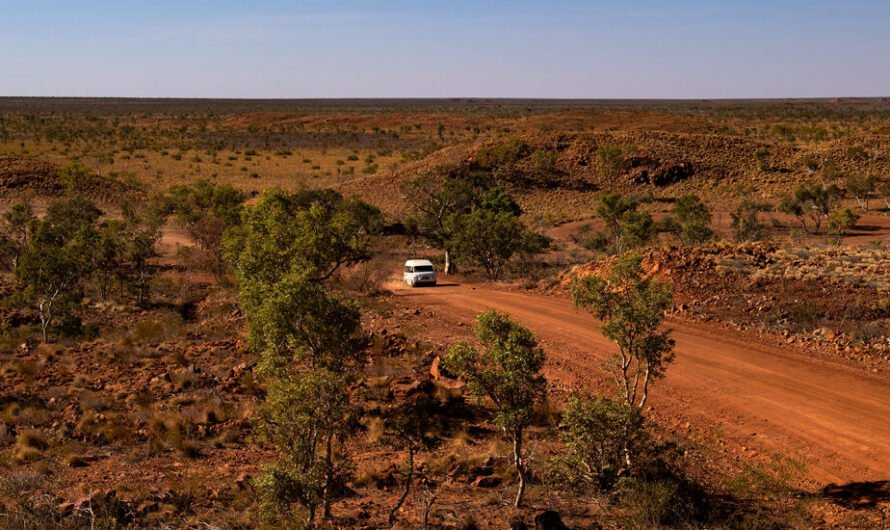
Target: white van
[[419, 272]]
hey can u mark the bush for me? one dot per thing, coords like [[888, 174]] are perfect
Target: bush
[[691, 220], [502, 154], [839, 224], [746, 224], [612, 159], [653, 504], [599, 434], [626, 226]]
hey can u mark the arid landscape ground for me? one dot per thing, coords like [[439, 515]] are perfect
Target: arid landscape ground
[[142, 408]]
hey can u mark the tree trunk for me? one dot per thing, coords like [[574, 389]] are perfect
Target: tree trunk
[[520, 467], [408, 480], [449, 265], [310, 519], [427, 507], [328, 476], [46, 317], [625, 448]]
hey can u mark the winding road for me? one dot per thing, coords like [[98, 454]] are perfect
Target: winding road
[[764, 398]]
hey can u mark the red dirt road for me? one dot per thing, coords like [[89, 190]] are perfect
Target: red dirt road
[[757, 397]]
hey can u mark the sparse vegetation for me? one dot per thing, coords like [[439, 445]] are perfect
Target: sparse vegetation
[[631, 306], [228, 348], [508, 373], [627, 227], [691, 221]]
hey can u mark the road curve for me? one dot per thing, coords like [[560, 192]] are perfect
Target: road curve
[[761, 397]]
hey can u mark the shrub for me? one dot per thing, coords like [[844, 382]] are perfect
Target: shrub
[[626, 226], [691, 220], [839, 224], [612, 159], [599, 434], [508, 373], [761, 155], [652, 504], [746, 224], [503, 154]]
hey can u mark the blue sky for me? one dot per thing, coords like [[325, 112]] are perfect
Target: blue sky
[[445, 48]]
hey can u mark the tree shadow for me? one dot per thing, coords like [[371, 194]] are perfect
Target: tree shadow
[[858, 495]]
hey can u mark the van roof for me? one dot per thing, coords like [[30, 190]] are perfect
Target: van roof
[[417, 262]]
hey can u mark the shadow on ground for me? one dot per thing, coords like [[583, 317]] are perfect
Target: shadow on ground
[[858, 495]]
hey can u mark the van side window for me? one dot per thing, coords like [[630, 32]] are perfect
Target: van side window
[[408, 269]]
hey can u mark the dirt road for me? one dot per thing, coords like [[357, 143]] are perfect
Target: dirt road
[[760, 398]]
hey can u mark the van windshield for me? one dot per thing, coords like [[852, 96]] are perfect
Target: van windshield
[[423, 268]]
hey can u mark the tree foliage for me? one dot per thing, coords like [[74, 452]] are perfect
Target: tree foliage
[[307, 415], [468, 217], [631, 306], [16, 227], [297, 321], [507, 372], [745, 221], [309, 342], [612, 159], [57, 258], [598, 432], [839, 224], [861, 187], [813, 202], [206, 210], [690, 220], [309, 234], [627, 227], [438, 197]]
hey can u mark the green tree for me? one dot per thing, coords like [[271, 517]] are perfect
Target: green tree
[[297, 321], [307, 415], [311, 234], [491, 232], [597, 432], [508, 372], [16, 227], [206, 210], [109, 256], [745, 220], [438, 197], [611, 207], [612, 159], [839, 224], [57, 258], [140, 242], [691, 220], [638, 229], [124, 250], [860, 187], [813, 202], [309, 342], [76, 177], [487, 237], [627, 227], [631, 306]]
